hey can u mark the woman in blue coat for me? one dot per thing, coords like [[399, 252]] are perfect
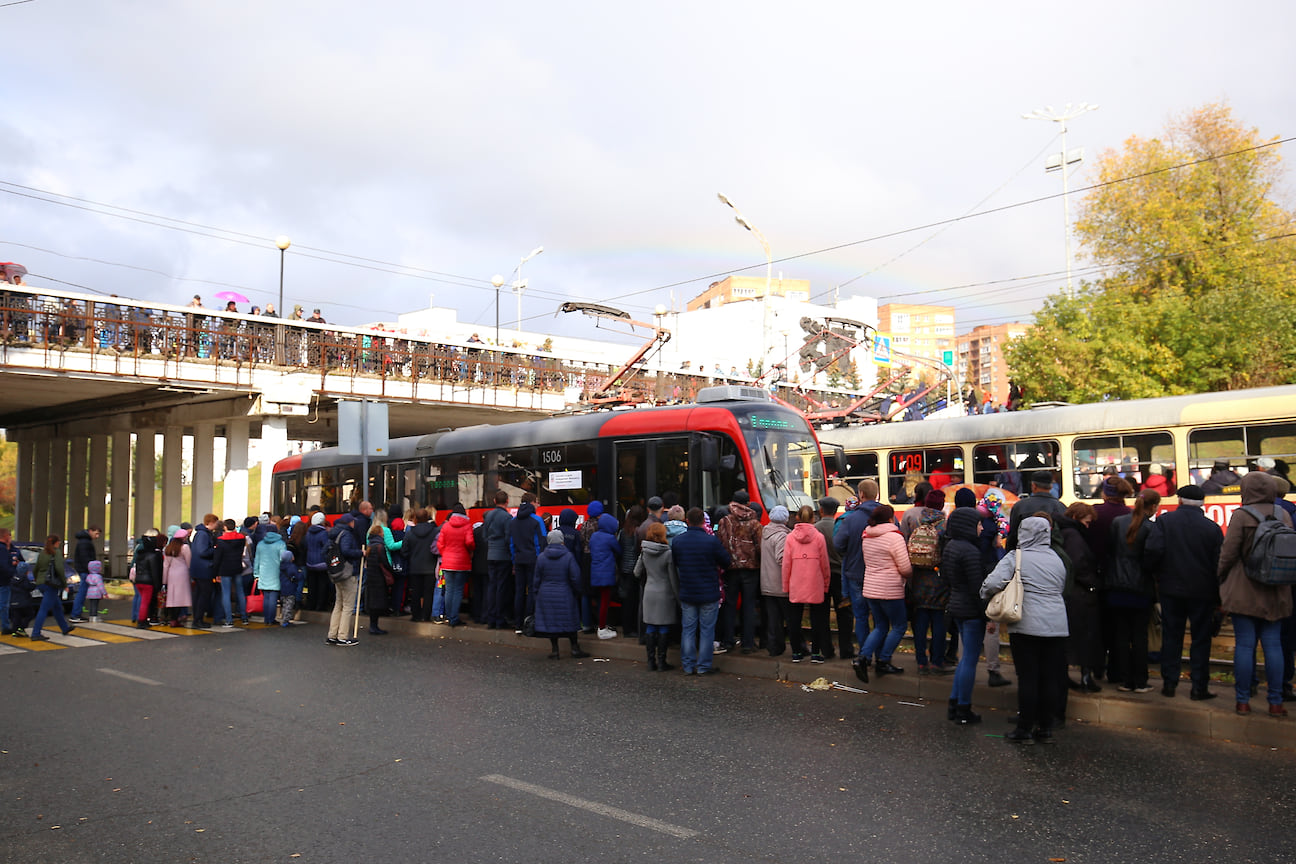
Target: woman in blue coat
[[605, 555], [556, 589]]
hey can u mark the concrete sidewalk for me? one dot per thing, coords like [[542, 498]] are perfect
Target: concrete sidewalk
[[1215, 719]]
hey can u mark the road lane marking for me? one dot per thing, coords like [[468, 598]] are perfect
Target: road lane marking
[[128, 628], [10, 649], [129, 677], [28, 645], [593, 807]]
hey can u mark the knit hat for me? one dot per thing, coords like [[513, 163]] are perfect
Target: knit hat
[[180, 534], [398, 524], [317, 518], [171, 531], [852, 504], [344, 519], [1110, 488], [555, 537], [1155, 469], [1265, 463], [1191, 494], [935, 500], [965, 497], [779, 513], [263, 518], [654, 503], [1042, 478], [292, 523], [594, 510]]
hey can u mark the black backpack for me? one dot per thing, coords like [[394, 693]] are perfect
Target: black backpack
[[334, 564], [1272, 557]]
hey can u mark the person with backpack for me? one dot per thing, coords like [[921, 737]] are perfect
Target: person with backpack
[[1257, 609], [740, 533], [420, 550], [343, 556], [51, 577], [927, 588]]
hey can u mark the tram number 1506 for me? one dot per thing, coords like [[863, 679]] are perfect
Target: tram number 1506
[[551, 457]]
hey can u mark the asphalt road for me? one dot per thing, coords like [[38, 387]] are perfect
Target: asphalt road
[[269, 746]]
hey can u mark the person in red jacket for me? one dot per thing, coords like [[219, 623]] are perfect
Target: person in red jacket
[[455, 544]]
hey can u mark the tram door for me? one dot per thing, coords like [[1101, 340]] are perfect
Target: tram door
[[648, 468]]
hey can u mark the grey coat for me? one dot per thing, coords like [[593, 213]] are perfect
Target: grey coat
[[1043, 579], [656, 571]]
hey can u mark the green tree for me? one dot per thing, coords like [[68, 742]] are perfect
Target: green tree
[[1199, 291]]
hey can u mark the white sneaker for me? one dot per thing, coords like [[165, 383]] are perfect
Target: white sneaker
[[607, 633]]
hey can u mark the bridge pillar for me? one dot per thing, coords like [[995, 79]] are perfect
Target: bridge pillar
[[41, 489], [96, 509], [25, 482], [172, 474], [76, 518], [58, 488], [235, 503], [119, 530], [145, 471], [201, 486], [274, 446]]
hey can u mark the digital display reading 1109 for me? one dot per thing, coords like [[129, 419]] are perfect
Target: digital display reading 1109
[[760, 421]]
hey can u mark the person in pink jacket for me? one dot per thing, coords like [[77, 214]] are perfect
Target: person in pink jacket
[[886, 567], [805, 579]]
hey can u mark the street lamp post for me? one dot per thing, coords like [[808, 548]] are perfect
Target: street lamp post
[[1061, 117], [769, 267], [283, 243], [498, 281], [520, 285]]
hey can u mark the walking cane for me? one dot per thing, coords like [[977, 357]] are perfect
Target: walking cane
[[355, 626]]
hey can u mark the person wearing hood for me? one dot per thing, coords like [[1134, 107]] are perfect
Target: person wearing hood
[[927, 589], [266, 564], [1131, 591], [1257, 609], [176, 576], [605, 553], [319, 590], [774, 597], [347, 588], [422, 553], [588, 606], [655, 570], [1039, 639], [806, 576], [740, 532], [148, 576], [455, 545], [886, 569], [82, 555], [378, 578], [227, 565], [526, 542], [961, 565], [838, 600], [555, 590]]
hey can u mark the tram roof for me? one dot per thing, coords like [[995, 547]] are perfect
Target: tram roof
[[1198, 409]]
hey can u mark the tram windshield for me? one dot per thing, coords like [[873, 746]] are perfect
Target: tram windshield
[[789, 470]]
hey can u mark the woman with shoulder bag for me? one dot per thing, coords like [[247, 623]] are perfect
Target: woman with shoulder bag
[[50, 579]]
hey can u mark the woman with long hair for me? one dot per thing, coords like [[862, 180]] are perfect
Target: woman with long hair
[[50, 578], [1131, 590], [175, 575], [1083, 597]]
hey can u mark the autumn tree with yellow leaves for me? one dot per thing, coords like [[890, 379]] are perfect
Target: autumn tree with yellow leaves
[[1197, 258]]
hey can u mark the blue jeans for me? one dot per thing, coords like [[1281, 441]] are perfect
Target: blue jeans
[[233, 584], [270, 601], [79, 601], [971, 632], [697, 643], [4, 607], [52, 605], [1247, 630], [889, 622], [454, 588], [438, 601], [854, 589], [935, 619]]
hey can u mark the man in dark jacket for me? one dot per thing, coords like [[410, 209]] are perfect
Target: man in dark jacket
[[319, 590], [1184, 547], [202, 549], [845, 619], [527, 539], [740, 532], [420, 549], [1221, 478], [1040, 500], [499, 563], [848, 533], [227, 565], [699, 557], [82, 555], [960, 563]]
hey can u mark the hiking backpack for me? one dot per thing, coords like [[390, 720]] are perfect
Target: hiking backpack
[[334, 563], [1272, 557], [924, 544]]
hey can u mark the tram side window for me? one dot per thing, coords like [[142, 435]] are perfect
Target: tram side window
[[510, 470], [1239, 447], [671, 468], [349, 490], [1137, 458], [718, 486], [400, 487], [568, 474], [286, 494], [319, 489], [940, 467], [859, 466], [1009, 464]]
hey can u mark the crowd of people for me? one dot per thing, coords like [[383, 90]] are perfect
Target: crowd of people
[[1092, 577]]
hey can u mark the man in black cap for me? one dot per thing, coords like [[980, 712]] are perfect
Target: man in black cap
[[1184, 550], [1040, 500]]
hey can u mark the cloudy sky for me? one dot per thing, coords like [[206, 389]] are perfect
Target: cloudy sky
[[411, 149]]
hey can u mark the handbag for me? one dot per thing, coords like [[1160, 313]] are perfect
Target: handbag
[[1006, 606], [255, 600]]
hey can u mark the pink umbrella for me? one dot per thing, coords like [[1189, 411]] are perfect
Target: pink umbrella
[[232, 295]]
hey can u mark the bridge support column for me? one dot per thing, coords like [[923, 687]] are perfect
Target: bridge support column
[[76, 518], [119, 526], [172, 474], [25, 482], [235, 503], [58, 488], [274, 446], [41, 489], [145, 470], [201, 486], [96, 509]]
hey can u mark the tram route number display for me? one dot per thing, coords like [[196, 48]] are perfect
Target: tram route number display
[[902, 463]]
